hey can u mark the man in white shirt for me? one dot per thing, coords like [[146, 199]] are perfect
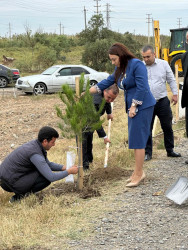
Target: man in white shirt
[[159, 72]]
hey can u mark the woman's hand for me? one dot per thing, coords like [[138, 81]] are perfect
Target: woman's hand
[[132, 111]]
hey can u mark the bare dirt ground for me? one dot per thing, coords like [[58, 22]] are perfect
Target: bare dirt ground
[[141, 218], [22, 116]]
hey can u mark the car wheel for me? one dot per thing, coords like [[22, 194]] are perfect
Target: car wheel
[[3, 82], [39, 89], [92, 83]]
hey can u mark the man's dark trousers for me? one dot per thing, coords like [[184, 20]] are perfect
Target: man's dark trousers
[[163, 111], [40, 183], [87, 146]]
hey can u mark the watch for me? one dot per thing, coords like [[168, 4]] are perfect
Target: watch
[[133, 104]]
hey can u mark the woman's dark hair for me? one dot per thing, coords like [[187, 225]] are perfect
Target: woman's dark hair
[[124, 54], [47, 133]]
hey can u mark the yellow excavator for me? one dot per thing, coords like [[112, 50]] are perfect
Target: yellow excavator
[[178, 46]]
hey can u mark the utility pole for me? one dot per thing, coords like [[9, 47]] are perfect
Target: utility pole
[[10, 36], [108, 15], [60, 28], [85, 17], [97, 6], [149, 20], [179, 22]]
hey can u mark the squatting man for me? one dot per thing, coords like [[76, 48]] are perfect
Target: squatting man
[[27, 169]]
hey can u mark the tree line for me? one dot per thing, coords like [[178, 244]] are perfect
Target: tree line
[[41, 50]]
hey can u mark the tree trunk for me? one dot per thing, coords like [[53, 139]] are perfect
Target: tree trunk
[[80, 165], [80, 158]]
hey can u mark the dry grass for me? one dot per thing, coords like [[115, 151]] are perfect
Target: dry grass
[[60, 213]]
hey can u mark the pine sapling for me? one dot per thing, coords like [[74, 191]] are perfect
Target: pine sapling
[[79, 116]]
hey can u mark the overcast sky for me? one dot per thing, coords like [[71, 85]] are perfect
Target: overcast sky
[[130, 16]]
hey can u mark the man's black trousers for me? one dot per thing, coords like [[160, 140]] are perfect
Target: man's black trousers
[[163, 110], [87, 146], [39, 184]]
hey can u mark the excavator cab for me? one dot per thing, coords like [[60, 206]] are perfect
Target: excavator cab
[[178, 40], [178, 46]]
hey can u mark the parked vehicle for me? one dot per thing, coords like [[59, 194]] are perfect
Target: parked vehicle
[[178, 46], [53, 78], [8, 75]]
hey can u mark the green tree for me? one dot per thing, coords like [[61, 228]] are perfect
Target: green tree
[[29, 40], [45, 56], [80, 115], [98, 39], [96, 54], [93, 31], [134, 46]]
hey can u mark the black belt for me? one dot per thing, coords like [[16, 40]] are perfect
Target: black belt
[[161, 99]]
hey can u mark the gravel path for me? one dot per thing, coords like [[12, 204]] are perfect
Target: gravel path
[[142, 217]]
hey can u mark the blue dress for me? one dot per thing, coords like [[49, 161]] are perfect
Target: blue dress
[[136, 87]]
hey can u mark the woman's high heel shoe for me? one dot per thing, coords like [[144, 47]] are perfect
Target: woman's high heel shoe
[[135, 184], [130, 178]]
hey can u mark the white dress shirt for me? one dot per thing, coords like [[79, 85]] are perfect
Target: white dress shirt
[[160, 73]]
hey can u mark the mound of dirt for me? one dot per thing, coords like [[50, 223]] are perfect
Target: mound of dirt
[[93, 181]]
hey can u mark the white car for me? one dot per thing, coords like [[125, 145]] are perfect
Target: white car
[[53, 78]]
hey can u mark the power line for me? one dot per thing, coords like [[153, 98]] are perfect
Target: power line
[[40, 7]]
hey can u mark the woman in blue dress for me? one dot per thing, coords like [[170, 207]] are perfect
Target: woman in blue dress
[[131, 75]]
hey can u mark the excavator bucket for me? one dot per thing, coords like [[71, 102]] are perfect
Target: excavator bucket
[[178, 192]]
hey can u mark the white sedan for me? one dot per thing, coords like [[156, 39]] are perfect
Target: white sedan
[[53, 78]]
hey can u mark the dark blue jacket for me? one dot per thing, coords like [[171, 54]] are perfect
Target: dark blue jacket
[[134, 83]]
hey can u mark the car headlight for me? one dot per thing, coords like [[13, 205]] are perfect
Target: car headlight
[[27, 83]]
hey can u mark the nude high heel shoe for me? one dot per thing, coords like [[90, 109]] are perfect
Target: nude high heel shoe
[[135, 184], [130, 178]]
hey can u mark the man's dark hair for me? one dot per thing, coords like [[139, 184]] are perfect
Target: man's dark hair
[[47, 133], [148, 47], [114, 88]]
